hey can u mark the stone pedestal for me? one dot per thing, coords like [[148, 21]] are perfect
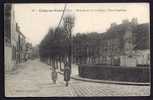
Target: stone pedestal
[[127, 61]]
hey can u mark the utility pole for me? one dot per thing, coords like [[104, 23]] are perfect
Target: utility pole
[[68, 25]]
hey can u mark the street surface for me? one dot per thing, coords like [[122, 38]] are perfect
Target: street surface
[[33, 79]]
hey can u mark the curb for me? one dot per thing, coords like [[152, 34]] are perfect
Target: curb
[[107, 82]]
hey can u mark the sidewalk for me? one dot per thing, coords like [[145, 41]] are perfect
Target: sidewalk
[[75, 75]]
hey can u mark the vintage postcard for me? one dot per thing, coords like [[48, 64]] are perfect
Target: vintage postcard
[[77, 49]]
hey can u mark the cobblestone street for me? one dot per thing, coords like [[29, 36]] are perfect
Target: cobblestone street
[[33, 78]]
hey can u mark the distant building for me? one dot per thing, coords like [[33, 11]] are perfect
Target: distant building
[[126, 44], [35, 52], [114, 52], [28, 54], [21, 46]]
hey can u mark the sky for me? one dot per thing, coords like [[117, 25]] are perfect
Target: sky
[[35, 19]]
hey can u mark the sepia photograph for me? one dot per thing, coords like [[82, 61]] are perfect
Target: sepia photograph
[[77, 49]]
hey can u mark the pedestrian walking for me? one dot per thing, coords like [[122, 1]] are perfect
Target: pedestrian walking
[[54, 74], [66, 73]]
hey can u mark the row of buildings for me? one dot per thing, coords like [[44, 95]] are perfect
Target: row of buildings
[[126, 44], [131, 48], [17, 49]]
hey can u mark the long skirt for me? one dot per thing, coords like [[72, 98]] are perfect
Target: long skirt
[[66, 75]]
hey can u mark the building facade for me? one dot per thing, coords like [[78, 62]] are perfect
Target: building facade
[[10, 37], [119, 49], [14, 40], [125, 44], [21, 43]]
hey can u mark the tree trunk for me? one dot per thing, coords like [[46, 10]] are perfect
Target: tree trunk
[[56, 63], [60, 61], [53, 63], [50, 61]]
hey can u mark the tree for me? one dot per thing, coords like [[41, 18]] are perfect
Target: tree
[[58, 44], [141, 34]]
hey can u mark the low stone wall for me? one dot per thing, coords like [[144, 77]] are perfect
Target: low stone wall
[[115, 73]]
